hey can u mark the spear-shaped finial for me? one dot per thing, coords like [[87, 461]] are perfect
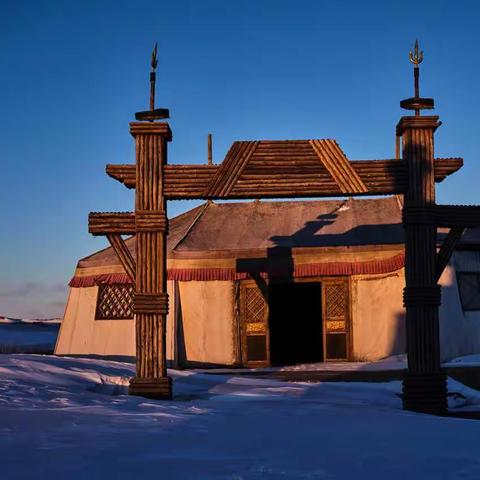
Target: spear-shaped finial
[[154, 57], [153, 76], [416, 103], [416, 58], [153, 114]]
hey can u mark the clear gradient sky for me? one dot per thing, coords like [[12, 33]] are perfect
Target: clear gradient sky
[[74, 72]]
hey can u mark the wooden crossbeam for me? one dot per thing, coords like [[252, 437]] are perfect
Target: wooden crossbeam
[[448, 246], [452, 216], [231, 168], [123, 254], [279, 177], [337, 164], [449, 216], [121, 223]]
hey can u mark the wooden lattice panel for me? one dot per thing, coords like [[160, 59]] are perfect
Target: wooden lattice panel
[[335, 301], [114, 301], [255, 307]]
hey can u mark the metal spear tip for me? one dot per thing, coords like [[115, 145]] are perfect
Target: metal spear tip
[[154, 57], [416, 57]]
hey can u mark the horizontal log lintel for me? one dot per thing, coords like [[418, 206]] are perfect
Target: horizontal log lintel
[[121, 223], [380, 177], [448, 216]]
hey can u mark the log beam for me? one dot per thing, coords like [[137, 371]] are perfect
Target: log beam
[[110, 223], [443, 256], [123, 254], [449, 216], [283, 178]]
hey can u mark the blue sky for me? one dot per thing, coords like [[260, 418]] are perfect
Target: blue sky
[[74, 73]]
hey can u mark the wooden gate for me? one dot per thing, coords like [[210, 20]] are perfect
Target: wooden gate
[[290, 169], [336, 318], [255, 338]]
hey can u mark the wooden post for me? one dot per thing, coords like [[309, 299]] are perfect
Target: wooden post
[[151, 300], [424, 388], [209, 148]]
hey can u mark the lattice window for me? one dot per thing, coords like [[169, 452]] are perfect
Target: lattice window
[[114, 301], [255, 307], [335, 301]]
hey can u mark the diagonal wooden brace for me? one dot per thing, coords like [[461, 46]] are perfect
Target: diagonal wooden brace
[[123, 254], [446, 250]]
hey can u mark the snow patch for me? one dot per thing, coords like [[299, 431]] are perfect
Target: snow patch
[[70, 418]]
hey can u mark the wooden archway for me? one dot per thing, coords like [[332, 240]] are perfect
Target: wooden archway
[[290, 169]]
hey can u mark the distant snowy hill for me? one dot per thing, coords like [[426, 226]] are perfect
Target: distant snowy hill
[[28, 335], [30, 320]]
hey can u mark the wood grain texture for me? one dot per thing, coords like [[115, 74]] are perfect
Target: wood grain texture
[[446, 250], [123, 254], [150, 303], [121, 223], [421, 292], [283, 177], [151, 221], [150, 300], [231, 169], [449, 216], [337, 164]]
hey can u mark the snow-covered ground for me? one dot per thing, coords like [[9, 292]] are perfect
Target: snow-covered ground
[[395, 362], [70, 418], [466, 361]]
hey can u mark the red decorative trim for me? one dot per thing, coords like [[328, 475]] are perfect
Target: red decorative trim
[[304, 270], [92, 280]]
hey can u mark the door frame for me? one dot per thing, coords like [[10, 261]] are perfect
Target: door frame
[[323, 281], [347, 281], [244, 285]]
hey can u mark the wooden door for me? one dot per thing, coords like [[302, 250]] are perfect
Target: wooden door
[[336, 318], [255, 336]]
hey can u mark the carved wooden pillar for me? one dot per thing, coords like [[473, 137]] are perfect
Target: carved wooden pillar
[[151, 300], [424, 388]]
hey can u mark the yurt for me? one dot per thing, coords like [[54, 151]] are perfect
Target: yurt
[[254, 284]]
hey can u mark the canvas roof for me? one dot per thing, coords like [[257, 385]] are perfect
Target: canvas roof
[[230, 227]]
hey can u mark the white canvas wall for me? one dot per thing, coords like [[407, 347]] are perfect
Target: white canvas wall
[[202, 313], [206, 332], [459, 330], [378, 316], [379, 322], [81, 334]]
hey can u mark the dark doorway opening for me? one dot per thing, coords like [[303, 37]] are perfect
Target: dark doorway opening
[[295, 323]]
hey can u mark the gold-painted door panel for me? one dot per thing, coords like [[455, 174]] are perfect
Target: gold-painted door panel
[[336, 318], [255, 337]]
